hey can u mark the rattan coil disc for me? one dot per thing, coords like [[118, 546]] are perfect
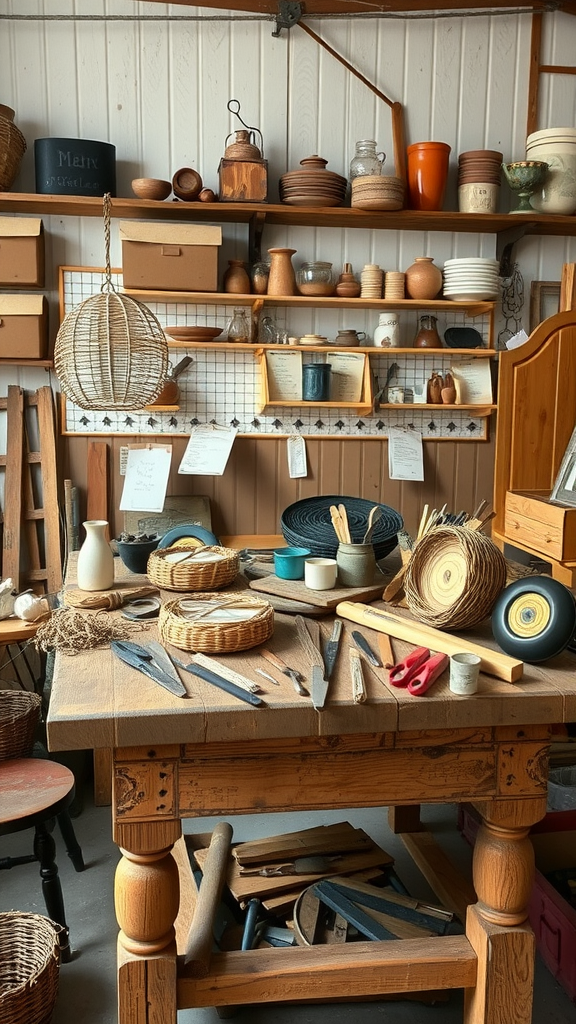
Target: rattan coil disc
[[19, 716], [196, 574], [178, 629], [29, 966], [454, 578]]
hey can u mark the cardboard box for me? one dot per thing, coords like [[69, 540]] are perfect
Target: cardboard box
[[21, 252], [533, 521], [23, 327], [170, 257]]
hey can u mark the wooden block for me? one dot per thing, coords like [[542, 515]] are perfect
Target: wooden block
[[243, 181], [323, 839], [296, 590], [531, 519]]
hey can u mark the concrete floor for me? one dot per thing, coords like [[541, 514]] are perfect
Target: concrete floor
[[87, 992]]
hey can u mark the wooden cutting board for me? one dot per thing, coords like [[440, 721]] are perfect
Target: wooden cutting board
[[297, 590]]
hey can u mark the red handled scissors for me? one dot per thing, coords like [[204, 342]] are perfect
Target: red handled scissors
[[418, 671]]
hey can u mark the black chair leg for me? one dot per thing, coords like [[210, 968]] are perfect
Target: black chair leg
[[45, 851], [73, 848]]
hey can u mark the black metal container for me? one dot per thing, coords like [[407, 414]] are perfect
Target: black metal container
[[75, 167]]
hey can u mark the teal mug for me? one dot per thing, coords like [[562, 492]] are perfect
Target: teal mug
[[316, 382], [289, 562]]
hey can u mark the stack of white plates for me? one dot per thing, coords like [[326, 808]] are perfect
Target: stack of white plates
[[471, 279]]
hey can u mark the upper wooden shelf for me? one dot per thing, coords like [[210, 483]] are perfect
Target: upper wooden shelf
[[320, 7], [303, 216]]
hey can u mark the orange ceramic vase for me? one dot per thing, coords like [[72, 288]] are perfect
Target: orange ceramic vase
[[282, 279], [427, 174]]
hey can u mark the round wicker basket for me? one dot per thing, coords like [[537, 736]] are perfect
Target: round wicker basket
[[454, 577], [19, 715], [12, 149], [193, 574], [179, 628], [29, 962]]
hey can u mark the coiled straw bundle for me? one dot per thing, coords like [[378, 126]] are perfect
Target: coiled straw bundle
[[454, 577]]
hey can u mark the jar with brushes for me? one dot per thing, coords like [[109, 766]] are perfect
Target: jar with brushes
[[239, 329], [347, 287], [427, 336], [236, 279], [315, 278], [366, 160]]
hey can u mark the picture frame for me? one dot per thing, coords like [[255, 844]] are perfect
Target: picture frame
[[544, 301], [564, 489]]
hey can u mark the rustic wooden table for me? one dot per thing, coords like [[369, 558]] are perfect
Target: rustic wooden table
[[212, 755]]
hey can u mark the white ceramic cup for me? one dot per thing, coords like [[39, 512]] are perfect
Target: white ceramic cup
[[464, 672], [320, 573]]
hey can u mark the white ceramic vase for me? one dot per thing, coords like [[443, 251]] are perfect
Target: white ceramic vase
[[95, 570]]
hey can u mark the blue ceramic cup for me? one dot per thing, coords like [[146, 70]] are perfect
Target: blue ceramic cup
[[289, 562]]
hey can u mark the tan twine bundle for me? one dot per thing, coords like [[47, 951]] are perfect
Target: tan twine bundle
[[454, 577], [107, 599], [70, 632], [12, 149], [29, 967], [111, 352]]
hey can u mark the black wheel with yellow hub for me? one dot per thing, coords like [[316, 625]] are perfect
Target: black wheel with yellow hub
[[534, 618]]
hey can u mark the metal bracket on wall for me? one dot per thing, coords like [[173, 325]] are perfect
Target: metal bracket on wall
[[505, 242], [289, 14]]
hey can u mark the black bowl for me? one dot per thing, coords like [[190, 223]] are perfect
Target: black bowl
[[134, 553], [463, 337], [308, 524]]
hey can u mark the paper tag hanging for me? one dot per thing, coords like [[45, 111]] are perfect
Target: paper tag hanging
[[296, 450]]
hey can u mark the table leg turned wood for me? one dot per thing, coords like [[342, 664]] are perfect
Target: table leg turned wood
[[147, 894], [496, 926]]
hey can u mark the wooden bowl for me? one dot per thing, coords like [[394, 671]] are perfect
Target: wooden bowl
[[151, 188]]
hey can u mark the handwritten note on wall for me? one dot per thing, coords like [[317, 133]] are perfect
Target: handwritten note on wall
[[405, 454], [146, 480]]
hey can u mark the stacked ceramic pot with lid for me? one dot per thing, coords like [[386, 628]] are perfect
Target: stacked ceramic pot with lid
[[313, 185], [557, 148], [479, 172], [471, 279]]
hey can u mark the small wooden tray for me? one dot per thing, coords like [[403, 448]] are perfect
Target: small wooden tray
[[297, 590]]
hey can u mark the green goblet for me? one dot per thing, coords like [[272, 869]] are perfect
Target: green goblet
[[524, 177]]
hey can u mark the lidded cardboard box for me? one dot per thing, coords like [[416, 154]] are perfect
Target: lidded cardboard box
[[21, 252], [23, 327], [170, 257]]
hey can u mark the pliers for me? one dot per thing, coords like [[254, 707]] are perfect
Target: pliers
[[418, 671]]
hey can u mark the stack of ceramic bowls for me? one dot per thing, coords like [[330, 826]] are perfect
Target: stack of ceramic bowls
[[557, 148], [394, 285], [471, 279], [377, 192], [313, 185], [479, 172], [371, 281]]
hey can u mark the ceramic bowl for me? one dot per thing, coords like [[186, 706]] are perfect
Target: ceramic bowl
[[135, 553], [289, 562], [151, 188]]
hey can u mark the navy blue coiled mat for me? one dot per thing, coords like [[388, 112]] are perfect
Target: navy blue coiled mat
[[308, 524]]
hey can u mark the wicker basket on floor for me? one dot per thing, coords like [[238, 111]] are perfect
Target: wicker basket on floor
[[19, 715], [178, 628], [29, 964], [193, 574]]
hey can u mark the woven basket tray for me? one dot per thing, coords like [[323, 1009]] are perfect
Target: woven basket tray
[[29, 962], [19, 715], [192, 575], [198, 634]]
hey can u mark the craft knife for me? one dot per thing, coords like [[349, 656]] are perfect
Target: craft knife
[[141, 658], [363, 645], [295, 676]]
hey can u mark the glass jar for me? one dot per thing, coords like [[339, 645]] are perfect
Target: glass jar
[[366, 160], [238, 328], [315, 279], [259, 274]]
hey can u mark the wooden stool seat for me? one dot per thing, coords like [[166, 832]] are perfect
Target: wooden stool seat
[[31, 790]]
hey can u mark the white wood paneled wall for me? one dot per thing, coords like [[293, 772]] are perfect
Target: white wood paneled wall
[[158, 89]]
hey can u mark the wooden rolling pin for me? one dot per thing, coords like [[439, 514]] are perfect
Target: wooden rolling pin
[[494, 663], [200, 937]]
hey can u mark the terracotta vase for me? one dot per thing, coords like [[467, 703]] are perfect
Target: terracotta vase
[[282, 279], [449, 390], [428, 336], [434, 389], [427, 174], [423, 279], [347, 286], [236, 278]]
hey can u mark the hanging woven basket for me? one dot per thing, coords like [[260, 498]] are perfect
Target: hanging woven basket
[[111, 352], [454, 578], [12, 149]]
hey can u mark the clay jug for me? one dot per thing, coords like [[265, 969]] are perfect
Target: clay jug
[[434, 389], [282, 279], [95, 569], [423, 279], [427, 166], [236, 279], [428, 336], [242, 148], [449, 390]]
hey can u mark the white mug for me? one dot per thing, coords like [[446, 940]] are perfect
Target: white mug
[[464, 672], [320, 573]]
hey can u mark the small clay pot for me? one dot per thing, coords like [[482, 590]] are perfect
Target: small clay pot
[[448, 391], [236, 278], [151, 188], [434, 389], [423, 279], [348, 287], [206, 195], [187, 184]]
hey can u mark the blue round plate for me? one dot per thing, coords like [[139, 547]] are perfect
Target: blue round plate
[[191, 530]]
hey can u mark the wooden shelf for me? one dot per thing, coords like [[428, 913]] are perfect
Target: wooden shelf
[[48, 363], [290, 216], [478, 410]]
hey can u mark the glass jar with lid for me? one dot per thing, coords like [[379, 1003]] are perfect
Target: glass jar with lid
[[366, 160], [239, 329], [315, 278]]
